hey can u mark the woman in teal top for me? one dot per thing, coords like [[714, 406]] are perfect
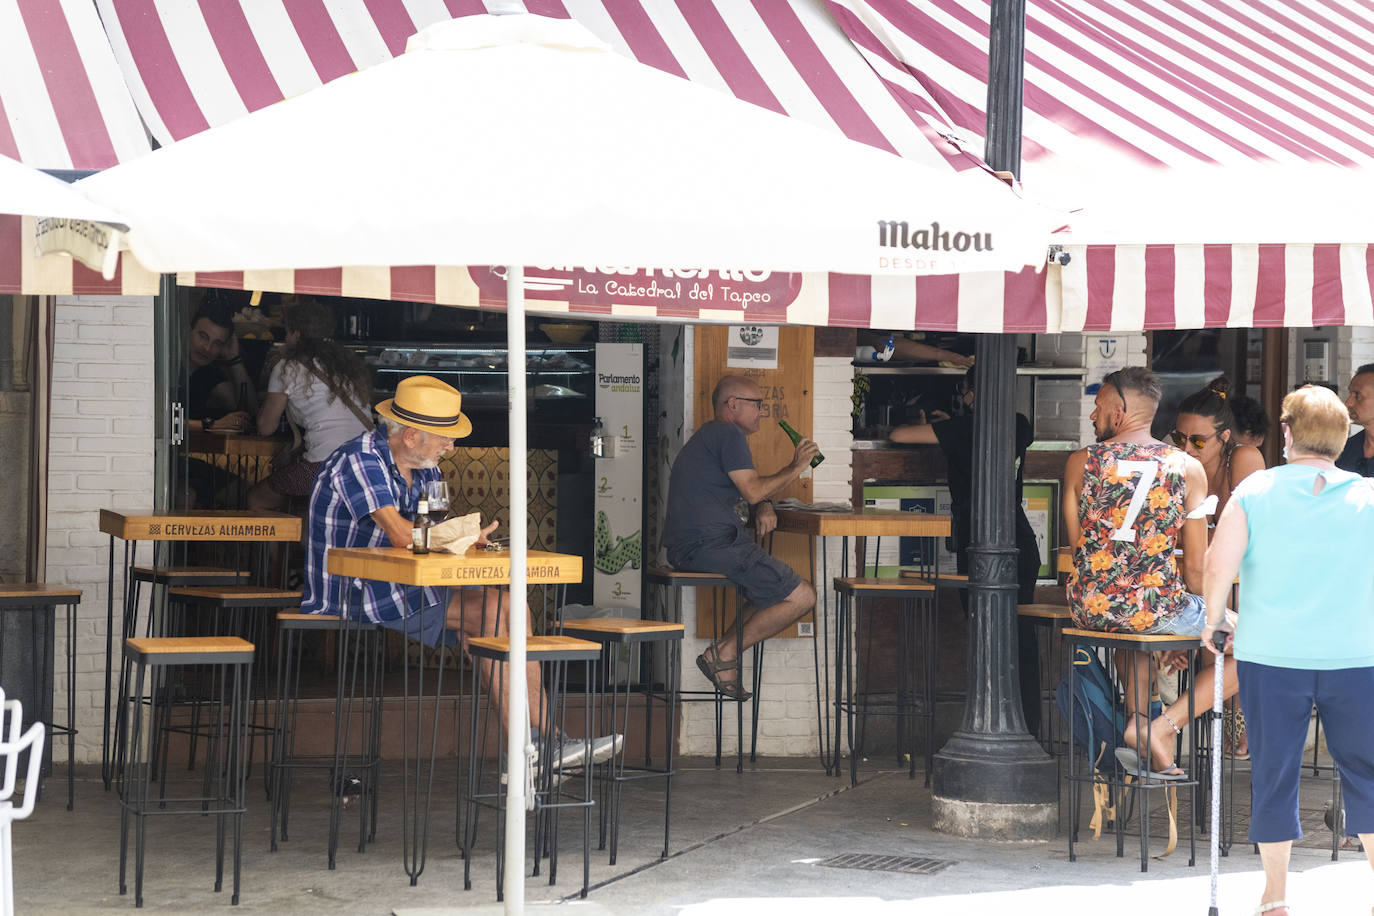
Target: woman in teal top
[[1300, 536]]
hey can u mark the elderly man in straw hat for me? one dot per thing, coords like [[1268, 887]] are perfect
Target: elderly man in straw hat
[[366, 495]]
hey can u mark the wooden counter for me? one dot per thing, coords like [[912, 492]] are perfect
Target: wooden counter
[[873, 523], [237, 445], [200, 525], [476, 567]]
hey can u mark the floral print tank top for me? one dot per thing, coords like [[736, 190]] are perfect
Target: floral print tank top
[[1125, 576]]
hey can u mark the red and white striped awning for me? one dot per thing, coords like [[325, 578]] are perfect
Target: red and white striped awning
[[1142, 112], [195, 66], [63, 105], [1118, 95]]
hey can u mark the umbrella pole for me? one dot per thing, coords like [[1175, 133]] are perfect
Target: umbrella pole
[[517, 729]]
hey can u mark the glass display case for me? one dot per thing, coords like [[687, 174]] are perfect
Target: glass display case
[[559, 381]]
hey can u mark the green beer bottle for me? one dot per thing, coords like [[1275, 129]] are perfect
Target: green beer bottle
[[796, 437]]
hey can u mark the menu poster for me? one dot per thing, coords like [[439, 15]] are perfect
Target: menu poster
[[618, 486]]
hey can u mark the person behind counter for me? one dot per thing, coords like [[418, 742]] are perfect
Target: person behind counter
[[319, 385], [954, 435], [367, 494], [905, 349]]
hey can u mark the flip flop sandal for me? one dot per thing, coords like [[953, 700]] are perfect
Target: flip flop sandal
[[1130, 761], [712, 669]]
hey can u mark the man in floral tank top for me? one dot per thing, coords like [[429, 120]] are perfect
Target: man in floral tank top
[[1127, 501]]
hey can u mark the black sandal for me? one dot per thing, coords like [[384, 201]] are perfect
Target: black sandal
[[712, 669]]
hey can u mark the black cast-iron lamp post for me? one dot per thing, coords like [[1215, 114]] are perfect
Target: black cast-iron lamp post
[[992, 780]]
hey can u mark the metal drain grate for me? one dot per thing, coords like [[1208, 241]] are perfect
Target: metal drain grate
[[908, 865]]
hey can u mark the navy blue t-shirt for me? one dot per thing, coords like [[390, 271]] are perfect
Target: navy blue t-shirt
[[701, 495], [1352, 457]]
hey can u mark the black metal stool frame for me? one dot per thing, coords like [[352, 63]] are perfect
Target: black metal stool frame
[[547, 797], [1117, 785], [845, 704], [365, 653], [717, 584], [40, 673], [228, 755], [619, 718]]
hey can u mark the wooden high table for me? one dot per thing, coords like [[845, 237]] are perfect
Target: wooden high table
[[132, 526], [242, 452], [479, 567], [874, 523]]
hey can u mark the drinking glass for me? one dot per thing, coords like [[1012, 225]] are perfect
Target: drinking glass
[[438, 493]]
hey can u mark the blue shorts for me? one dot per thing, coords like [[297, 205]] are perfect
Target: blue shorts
[[430, 624], [1277, 703], [763, 579], [1189, 621]]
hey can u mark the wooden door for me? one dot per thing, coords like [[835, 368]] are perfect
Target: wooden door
[[787, 395]]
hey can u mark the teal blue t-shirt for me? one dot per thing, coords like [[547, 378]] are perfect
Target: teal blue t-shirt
[[1306, 581]]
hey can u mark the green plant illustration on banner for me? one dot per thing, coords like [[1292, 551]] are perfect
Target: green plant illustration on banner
[[627, 551]]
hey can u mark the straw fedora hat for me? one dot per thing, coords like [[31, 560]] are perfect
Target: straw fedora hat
[[427, 404]]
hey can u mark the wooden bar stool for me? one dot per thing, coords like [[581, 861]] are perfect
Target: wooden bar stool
[[1114, 779], [360, 664], [41, 601], [227, 610], [916, 600], [673, 581], [613, 633], [230, 661], [554, 654]]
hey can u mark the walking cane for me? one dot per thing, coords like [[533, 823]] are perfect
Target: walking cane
[[1219, 668]]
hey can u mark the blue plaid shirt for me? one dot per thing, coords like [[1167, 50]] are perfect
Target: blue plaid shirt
[[359, 478]]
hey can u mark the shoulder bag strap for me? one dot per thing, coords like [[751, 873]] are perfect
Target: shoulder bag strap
[[363, 418]]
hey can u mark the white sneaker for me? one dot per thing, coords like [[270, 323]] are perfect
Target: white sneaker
[[571, 752]]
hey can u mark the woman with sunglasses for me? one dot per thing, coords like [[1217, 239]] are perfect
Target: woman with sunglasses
[[1205, 429]]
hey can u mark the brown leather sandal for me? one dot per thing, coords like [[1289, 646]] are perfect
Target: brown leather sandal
[[712, 668]]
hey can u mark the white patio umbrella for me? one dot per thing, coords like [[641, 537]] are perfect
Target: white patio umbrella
[[68, 220], [523, 140]]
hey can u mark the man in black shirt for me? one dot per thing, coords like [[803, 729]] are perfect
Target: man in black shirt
[[954, 435], [1358, 455], [217, 394], [219, 390]]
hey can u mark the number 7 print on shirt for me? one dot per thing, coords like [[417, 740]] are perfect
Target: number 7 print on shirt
[[1147, 471]]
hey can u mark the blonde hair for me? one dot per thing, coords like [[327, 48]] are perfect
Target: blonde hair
[[1318, 420]]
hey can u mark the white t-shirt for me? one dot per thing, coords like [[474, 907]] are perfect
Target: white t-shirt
[[325, 424]]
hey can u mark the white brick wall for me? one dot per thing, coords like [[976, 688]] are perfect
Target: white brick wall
[[1062, 410], [101, 456]]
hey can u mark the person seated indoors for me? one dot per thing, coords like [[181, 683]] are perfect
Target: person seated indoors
[[1129, 502], [1251, 423]]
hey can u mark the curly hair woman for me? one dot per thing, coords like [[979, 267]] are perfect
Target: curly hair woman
[[323, 387]]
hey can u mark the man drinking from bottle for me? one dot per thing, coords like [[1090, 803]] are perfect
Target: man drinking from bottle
[[704, 532]]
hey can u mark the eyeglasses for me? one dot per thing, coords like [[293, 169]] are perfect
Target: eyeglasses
[[1181, 439], [1111, 379], [757, 402]]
